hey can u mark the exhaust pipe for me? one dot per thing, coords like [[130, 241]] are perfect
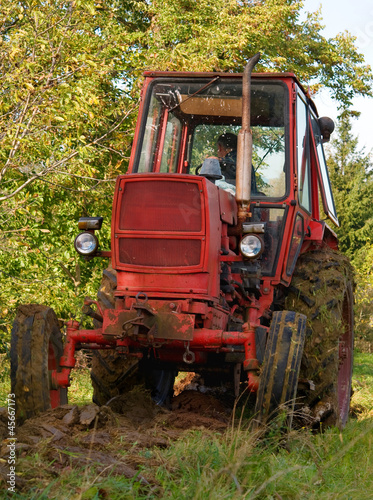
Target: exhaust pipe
[[245, 144]]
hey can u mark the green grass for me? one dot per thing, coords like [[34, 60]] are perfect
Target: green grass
[[236, 464], [241, 465], [362, 383], [80, 390]]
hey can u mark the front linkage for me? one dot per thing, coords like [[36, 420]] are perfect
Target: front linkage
[[167, 330]]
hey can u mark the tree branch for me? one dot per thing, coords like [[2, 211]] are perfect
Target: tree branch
[[68, 158]]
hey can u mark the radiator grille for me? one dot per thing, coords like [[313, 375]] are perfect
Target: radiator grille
[[161, 206], [159, 252], [161, 224]]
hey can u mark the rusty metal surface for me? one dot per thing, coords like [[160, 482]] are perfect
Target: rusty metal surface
[[168, 326]]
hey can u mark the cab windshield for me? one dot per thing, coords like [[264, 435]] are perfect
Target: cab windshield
[[187, 121]]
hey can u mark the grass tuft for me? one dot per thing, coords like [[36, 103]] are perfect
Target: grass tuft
[[236, 464]]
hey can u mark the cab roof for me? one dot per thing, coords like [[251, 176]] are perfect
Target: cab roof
[[212, 74]]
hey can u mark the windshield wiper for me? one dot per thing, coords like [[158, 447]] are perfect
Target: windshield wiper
[[195, 93]]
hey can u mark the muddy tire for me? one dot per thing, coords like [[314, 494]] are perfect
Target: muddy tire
[[322, 289], [36, 349], [111, 373], [282, 358], [114, 374]]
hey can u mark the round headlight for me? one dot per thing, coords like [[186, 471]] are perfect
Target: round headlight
[[86, 243], [251, 246]]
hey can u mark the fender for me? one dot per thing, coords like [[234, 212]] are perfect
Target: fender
[[319, 234]]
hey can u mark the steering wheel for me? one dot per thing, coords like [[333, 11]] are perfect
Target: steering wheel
[[198, 169]]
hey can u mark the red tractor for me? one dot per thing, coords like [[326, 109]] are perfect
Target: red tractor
[[220, 265]]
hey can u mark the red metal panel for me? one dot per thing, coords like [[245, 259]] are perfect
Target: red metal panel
[[157, 252], [166, 205], [159, 224], [167, 326], [155, 283], [228, 207], [162, 253]]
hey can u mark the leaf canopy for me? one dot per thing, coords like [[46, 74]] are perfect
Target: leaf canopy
[[70, 74]]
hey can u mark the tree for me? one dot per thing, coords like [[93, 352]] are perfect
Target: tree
[[64, 133], [59, 106], [69, 73], [62, 63], [222, 34], [352, 180], [363, 263]]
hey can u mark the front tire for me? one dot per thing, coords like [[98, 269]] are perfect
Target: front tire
[[36, 349], [111, 373], [282, 358]]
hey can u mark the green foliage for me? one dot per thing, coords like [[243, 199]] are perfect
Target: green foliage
[[352, 180], [80, 391], [69, 74], [222, 34], [65, 138]]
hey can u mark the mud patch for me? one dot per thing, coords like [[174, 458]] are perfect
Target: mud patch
[[111, 440], [137, 406], [192, 409]]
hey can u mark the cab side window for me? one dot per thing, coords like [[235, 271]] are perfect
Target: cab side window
[[303, 157]]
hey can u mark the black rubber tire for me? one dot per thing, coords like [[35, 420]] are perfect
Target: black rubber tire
[[36, 349], [115, 374], [322, 289], [282, 358], [112, 373]]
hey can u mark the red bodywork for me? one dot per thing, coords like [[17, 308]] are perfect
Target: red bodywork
[[172, 236]]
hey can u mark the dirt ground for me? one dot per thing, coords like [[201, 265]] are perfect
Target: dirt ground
[[72, 436]]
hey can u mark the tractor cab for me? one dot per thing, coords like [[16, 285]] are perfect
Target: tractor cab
[[184, 117], [189, 125]]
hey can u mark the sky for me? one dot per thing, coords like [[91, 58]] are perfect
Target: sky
[[357, 18]]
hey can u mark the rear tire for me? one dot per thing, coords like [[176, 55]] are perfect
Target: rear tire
[[112, 373], [322, 289], [36, 349], [282, 358]]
